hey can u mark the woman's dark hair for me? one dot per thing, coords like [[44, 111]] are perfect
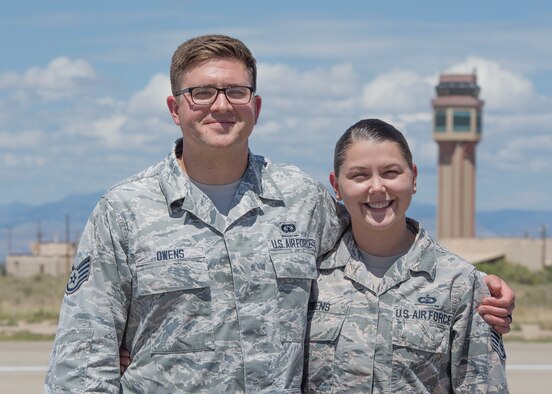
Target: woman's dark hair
[[374, 130]]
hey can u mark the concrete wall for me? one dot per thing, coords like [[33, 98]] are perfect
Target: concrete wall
[[528, 252]]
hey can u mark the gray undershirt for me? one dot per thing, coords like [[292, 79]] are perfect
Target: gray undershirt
[[222, 196], [379, 265]]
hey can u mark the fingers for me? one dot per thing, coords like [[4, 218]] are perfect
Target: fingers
[[502, 325], [498, 318], [494, 283], [124, 353], [124, 360], [502, 295], [499, 312]]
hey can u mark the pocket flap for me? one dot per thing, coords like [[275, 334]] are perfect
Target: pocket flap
[[325, 326], [172, 276], [294, 265], [419, 335]]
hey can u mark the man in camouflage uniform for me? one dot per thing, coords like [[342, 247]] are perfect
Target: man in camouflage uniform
[[415, 331], [201, 266], [205, 299]]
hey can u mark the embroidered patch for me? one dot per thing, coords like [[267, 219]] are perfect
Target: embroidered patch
[[78, 276], [427, 299], [497, 344], [288, 228], [293, 243]]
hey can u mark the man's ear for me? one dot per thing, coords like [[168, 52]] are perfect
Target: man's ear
[[172, 104], [258, 101]]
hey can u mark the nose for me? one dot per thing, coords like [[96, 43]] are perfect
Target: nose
[[221, 103], [376, 185]]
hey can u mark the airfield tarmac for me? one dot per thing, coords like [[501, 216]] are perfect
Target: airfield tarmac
[[23, 365]]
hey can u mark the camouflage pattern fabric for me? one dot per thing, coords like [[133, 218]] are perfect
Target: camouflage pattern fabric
[[203, 302], [416, 331]]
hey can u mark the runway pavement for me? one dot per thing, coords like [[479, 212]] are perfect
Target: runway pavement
[[23, 364]]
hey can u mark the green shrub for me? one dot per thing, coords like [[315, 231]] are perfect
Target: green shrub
[[515, 273]]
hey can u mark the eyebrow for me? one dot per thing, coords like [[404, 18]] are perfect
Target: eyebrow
[[386, 166]]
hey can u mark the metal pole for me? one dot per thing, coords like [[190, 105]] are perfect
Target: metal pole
[[543, 245]]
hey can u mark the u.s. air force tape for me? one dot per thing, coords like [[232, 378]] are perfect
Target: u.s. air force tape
[[79, 275]]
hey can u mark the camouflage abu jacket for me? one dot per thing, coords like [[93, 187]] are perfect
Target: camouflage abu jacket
[[416, 331], [203, 302]]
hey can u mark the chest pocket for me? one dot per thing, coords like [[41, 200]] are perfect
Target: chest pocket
[[323, 330], [420, 335], [420, 350], [325, 326], [175, 299], [295, 271]]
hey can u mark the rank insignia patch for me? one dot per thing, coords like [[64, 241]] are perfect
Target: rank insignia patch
[[497, 344], [78, 276]]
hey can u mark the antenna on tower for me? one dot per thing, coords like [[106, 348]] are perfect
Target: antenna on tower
[[543, 229], [38, 236], [9, 229], [67, 244], [38, 232], [67, 236]]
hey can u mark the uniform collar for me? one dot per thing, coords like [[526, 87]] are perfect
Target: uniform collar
[[419, 258], [177, 187], [421, 255]]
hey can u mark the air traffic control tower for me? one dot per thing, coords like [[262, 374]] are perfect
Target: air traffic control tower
[[456, 129]]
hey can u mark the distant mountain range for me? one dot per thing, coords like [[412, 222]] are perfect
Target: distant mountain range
[[21, 224]]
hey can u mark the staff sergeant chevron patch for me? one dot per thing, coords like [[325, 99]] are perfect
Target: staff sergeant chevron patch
[[78, 276], [497, 344]]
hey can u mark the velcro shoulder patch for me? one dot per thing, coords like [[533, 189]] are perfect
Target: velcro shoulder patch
[[79, 275]]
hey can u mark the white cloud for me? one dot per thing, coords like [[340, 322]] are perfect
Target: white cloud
[[152, 99], [19, 161], [397, 91], [502, 89], [108, 130], [21, 139], [338, 80], [267, 128], [62, 78], [120, 125], [525, 155]]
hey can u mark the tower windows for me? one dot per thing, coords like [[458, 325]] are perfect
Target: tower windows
[[461, 121], [440, 120]]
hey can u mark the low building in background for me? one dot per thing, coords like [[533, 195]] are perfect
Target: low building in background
[[46, 258], [532, 253]]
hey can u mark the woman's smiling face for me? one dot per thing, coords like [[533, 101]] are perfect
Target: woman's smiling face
[[376, 185]]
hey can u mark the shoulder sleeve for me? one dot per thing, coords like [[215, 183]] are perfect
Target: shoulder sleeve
[[332, 218], [85, 354], [477, 353]]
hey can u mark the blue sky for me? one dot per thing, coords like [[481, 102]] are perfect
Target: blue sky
[[83, 86]]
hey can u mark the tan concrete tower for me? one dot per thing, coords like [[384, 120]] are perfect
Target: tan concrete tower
[[456, 129]]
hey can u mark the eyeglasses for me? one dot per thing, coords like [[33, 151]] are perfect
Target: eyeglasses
[[206, 95]]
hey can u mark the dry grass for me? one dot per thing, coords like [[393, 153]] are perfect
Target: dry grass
[[533, 304], [38, 299], [31, 300]]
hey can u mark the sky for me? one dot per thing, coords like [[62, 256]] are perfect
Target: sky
[[83, 86]]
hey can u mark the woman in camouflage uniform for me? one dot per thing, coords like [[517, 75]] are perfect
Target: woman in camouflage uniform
[[392, 311]]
